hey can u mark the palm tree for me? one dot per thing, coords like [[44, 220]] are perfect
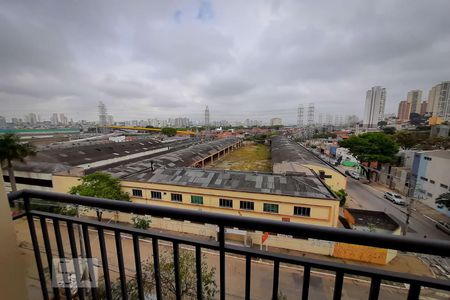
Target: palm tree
[[12, 149]]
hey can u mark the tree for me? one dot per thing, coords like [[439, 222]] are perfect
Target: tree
[[188, 282], [389, 130], [141, 222], [12, 149], [444, 199], [342, 195], [100, 185], [406, 139], [381, 124], [371, 146], [169, 131], [435, 143]]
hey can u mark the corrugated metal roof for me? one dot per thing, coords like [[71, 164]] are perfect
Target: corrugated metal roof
[[267, 183]]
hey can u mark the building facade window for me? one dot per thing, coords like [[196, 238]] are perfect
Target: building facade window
[[247, 205], [176, 197], [423, 178], [427, 158], [444, 186], [226, 203], [429, 194], [156, 195], [136, 193], [302, 211], [432, 181], [269, 207], [197, 199]]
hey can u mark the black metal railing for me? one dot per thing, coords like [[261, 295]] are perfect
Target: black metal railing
[[376, 275]]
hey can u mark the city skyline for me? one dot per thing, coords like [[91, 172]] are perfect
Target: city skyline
[[243, 59]]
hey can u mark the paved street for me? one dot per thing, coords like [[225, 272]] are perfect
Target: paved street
[[370, 198]]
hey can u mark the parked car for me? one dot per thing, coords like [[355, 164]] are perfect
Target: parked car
[[352, 174], [445, 227], [395, 198]]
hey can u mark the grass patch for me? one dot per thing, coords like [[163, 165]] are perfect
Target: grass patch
[[253, 157]]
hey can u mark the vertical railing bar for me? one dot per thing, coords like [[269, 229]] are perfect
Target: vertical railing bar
[[276, 275], [248, 274], [101, 239], [87, 246], [374, 288], [37, 253], [123, 280], [137, 261], [60, 247], [198, 269], [73, 248], [176, 262], [414, 291], [49, 255], [156, 268], [306, 278], [222, 261], [339, 280]]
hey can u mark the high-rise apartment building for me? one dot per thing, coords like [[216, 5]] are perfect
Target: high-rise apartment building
[[102, 114], [403, 111], [110, 120], [414, 99], [439, 100], [2, 122], [63, 119], [32, 118], [276, 122], [374, 106], [443, 105], [207, 116], [423, 108], [433, 99], [54, 119]]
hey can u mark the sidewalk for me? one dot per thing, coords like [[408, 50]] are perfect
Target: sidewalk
[[418, 206]]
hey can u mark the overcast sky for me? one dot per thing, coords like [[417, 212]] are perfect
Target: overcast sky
[[245, 59]]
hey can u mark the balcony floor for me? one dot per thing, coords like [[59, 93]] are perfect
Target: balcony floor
[[322, 283]]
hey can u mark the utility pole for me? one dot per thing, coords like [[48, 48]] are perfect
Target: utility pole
[[410, 196]]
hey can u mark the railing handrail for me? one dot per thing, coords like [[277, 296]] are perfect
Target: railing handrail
[[409, 244]]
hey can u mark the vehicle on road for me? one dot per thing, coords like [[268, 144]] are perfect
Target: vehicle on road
[[352, 174], [445, 227], [395, 198]]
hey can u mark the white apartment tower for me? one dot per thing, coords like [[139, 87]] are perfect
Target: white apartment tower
[[206, 116], [54, 119], [374, 107], [439, 100], [102, 114]]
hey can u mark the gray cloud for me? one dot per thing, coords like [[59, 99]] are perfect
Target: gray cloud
[[252, 59]]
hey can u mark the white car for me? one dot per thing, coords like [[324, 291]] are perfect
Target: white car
[[395, 198]]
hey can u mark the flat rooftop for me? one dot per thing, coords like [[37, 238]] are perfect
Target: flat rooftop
[[368, 218], [283, 150], [267, 183], [181, 158], [437, 153]]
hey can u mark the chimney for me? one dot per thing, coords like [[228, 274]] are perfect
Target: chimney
[[322, 174]]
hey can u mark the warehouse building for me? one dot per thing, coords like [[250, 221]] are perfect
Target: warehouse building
[[288, 156], [36, 172]]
